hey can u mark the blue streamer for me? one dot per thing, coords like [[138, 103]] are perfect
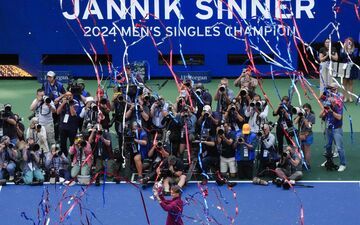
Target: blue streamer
[[203, 172]]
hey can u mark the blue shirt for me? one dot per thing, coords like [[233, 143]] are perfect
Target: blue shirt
[[243, 153]]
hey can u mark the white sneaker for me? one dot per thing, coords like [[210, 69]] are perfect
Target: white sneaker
[[341, 168], [323, 164], [11, 178], [335, 155]]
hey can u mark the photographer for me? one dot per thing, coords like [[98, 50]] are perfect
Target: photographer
[[8, 158], [223, 96], [100, 141], [118, 107], [204, 96], [305, 119], [69, 120], [326, 54], [38, 134], [81, 151], [138, 140], [246, 143], [233, 116], [43, 108], [171, 170], [55, 90], [157, 153], [268, 155], [187, 122], [332, 114], [207, 123], [224, 143], [284, 123], [89, 114], [290, 165], [245, 81], [138, 112], [257, 112], [210, 155], [57, 164], [33, 162], [158, 111], [8, 124]]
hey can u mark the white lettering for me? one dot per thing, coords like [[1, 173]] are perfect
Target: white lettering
[[219, 9], [94, 12], [233, 5], [121, 12], [264, 9], [157, 9], [306, 8], [206, 8], [76, 10], [142, 10], [172, 7]]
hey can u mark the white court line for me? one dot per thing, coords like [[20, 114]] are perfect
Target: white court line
[[0, 188], [238, 182]]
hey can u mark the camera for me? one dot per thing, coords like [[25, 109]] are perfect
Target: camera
[[11, 145], [221, 131], [243, 92], [206, 114], [285, 154], [94, 107], [46, 99], [159, 144], [147, 97], [298, 110], [327, 105], [34, 147], [38, 127], [71, 102], [241, 140], [198, 92], [120, 98], [222, 88], [233, 107]]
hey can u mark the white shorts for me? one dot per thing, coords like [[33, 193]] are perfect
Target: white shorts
[[227, 163]]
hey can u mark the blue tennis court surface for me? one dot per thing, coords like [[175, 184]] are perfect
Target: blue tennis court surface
[[325, 204]]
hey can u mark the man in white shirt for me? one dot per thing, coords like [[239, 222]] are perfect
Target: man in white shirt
[[44, 107]]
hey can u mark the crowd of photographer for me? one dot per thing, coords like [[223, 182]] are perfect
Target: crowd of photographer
[[69, 134]]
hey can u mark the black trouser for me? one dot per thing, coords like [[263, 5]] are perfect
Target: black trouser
[[56, 119], [245, 169], [280, 138], [64, 135], [210, 162]]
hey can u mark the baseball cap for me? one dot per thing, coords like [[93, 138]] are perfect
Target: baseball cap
[[246, 128], [89, 99], [80, 81], [51, 74], [334, 85]]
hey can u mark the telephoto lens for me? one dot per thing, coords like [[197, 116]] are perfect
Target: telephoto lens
[[38, 126], [159, 144], [221, 131], [222, 88]]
